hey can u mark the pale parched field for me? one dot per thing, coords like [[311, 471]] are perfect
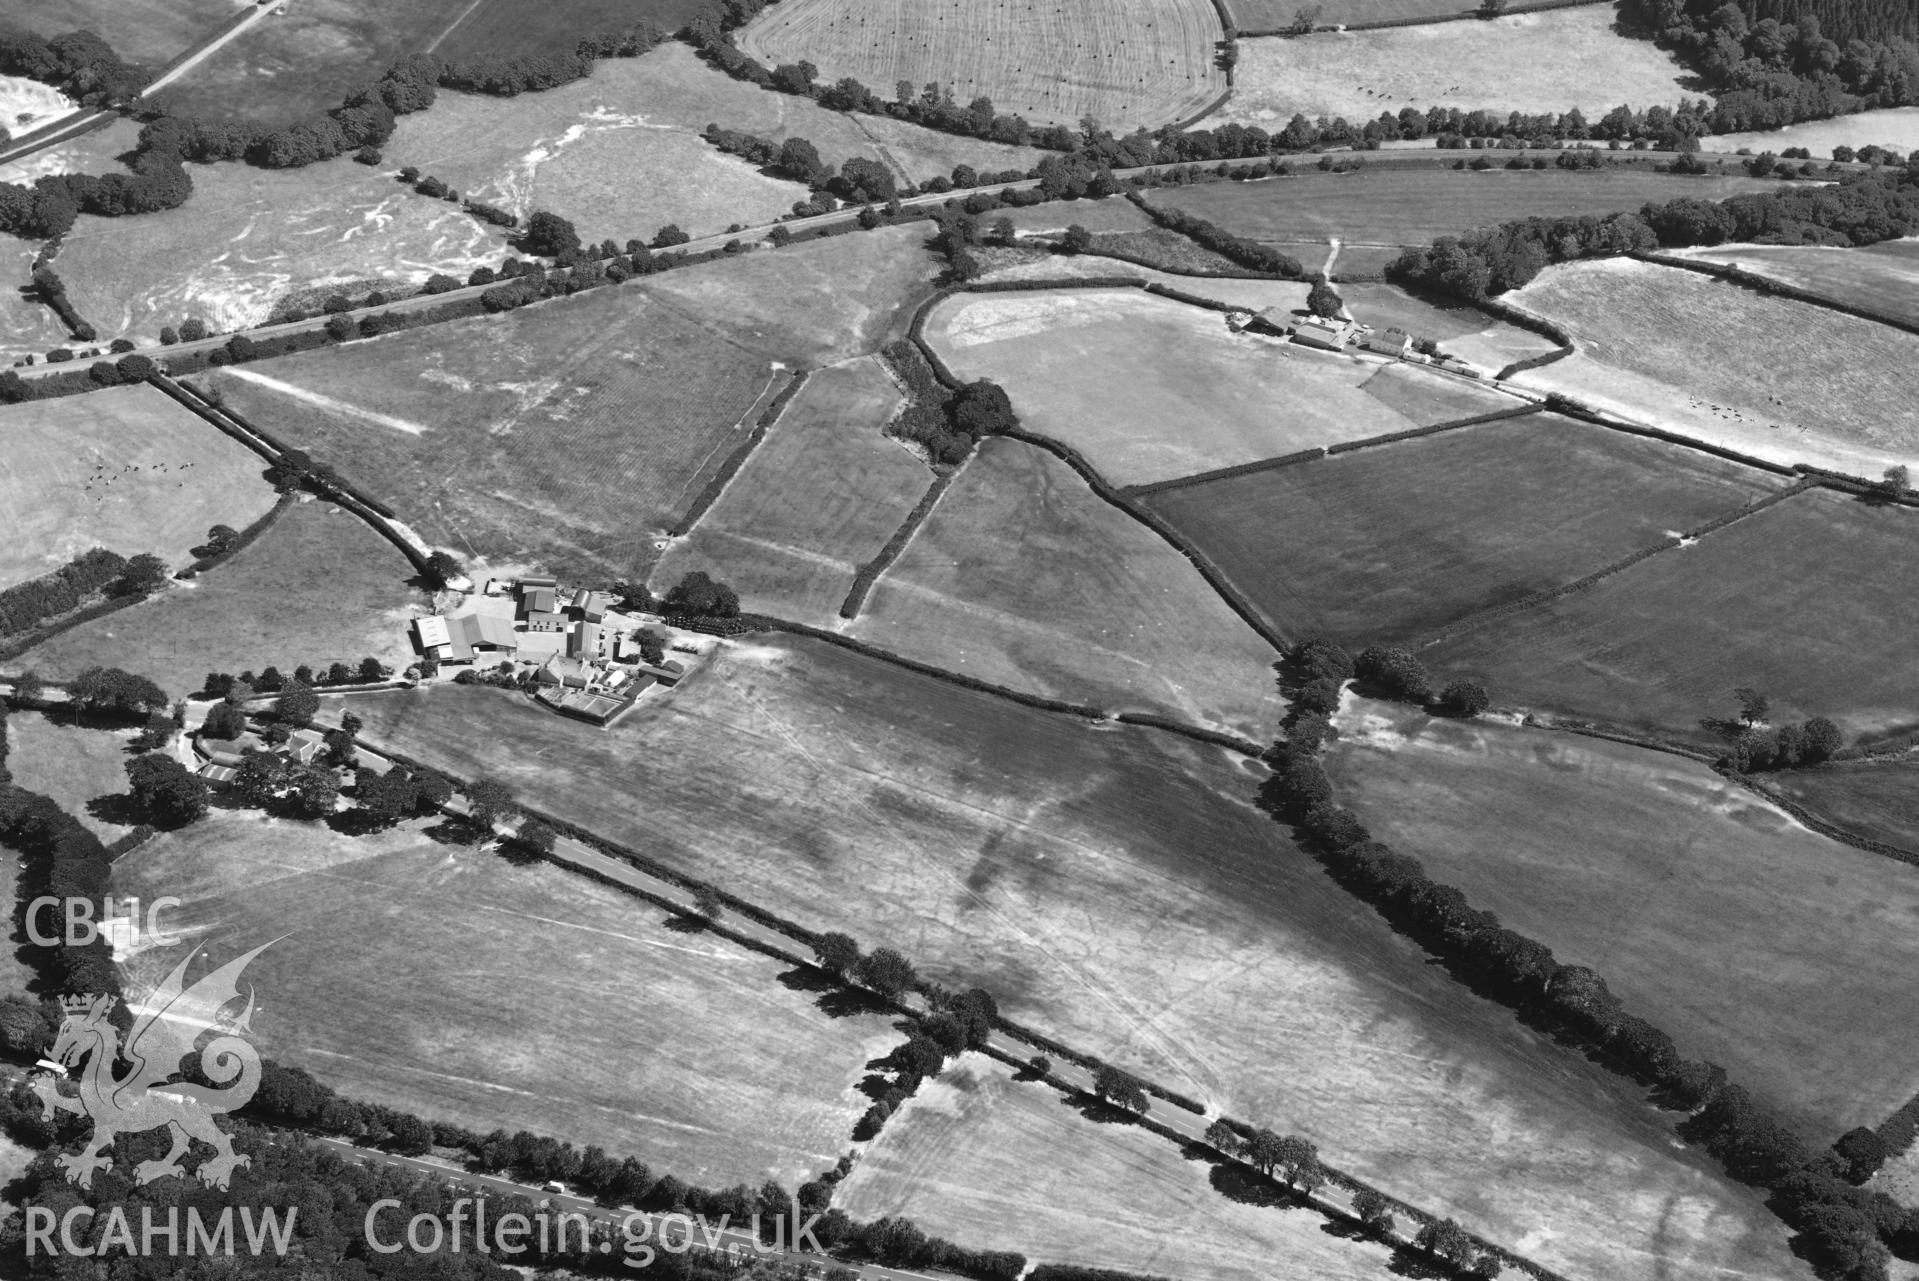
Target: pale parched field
[[978, 1156], [818, 498], [248, 236], [124, 468], [1150, 389], [444, 980], [73, 764], [1117, 888], [1532, 62], [1023, 577], [1884, 277], [1127, 65], [1708, 352], [1026, 263], [620, 152], [1755, 943], [1895, 127]]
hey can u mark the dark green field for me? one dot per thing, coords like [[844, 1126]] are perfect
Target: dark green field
[[1877, 801], [1384, 545], [1814, 601], [516, 27]]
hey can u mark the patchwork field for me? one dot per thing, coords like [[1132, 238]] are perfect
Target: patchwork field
[[249, 236], [1117, 888], [1458, 329], [818, 498], [1531, 62], [1877, 801], [620, 152], [1755, 943], [1882, 277], [514, 27], [1709, 346], [1895, 127], [124, 468], [1125, 66], [73, 764], [1179, 392], [570, 1010], [1813, 601], [977, 1156], [1022, 577], [570, 434], [304, 59], [318, 587], [1395, 206], [1348, 546]]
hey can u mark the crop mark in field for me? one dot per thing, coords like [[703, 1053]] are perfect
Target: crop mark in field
[[321, 401]]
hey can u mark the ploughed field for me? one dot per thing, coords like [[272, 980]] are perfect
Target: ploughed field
[[1386, 545], [1022, 576], [1755, 943], [439, 978], [1812, 601], [123, 468], [1117, 888], [1131, 64]]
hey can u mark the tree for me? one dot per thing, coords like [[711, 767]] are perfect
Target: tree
[[488, 801], [1120, 1088], [340, 328], [444, 569], [1374, 1210], [535, 837], [1863, 1152], [298, 706], [311, 793], [701, 597], [1004, 232], [1396, 671], [224, 721], [144, 575], [1822, 739], [193, 329], [384, 799], [220, 540], [1323, 300], [1753, 705], [837, 953], [1464, 698], [1224, 1137], [171, 793], [372, 669], [1447, 1242], [549, 236], [1077, 240], [110, 689], [669, 235], [1893, 482], [1491, 8], [169, 335], [708, 903], [884, 971]]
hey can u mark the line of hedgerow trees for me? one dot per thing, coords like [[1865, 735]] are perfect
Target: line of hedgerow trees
[[1843, 1228]]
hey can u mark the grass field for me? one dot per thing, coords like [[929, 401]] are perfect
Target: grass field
[[1755, 943], [1026, 263], [249, 236], [1459, 329], [124, 468], [319, 587], [977, 1156], [819, 498], [1395, 206], [1813, 601], [97, 152], [1021, 576], [1179, 392], [305, 59], [149, 32], [1125, 66], [1878, 801], [1895, 127], [1712, 346], [1277, 15], [620, 152], [513, 27], [1384, 545], [1117, 888], [569, 435], [1524, 62], [1884, 278], [71, 763], [442, 979], [1109, 214]]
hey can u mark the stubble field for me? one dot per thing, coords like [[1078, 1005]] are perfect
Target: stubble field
[[1171, 389], [1117, 888], [1813, 601], [818, 498], [1023, 577], [1385, 545], [1895, 127], [124, 468], [319, 587], [1754, 943], [1125, 65], [977, 1156], [441, 979], [1524, 62]]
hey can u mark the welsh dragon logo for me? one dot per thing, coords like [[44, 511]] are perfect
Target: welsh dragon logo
[[165, 1030]]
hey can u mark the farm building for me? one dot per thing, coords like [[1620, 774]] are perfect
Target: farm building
[[304, 746], [1324, 333], [562, 670], [1394, 342], [1274, 320], [583, 641]]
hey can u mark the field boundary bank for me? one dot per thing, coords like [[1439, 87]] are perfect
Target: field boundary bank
[[649, 867], [1383, 24], [1732, 273], [711, 491], [1217, 580], [1825, 827], [243, 540], [1687, 537]]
